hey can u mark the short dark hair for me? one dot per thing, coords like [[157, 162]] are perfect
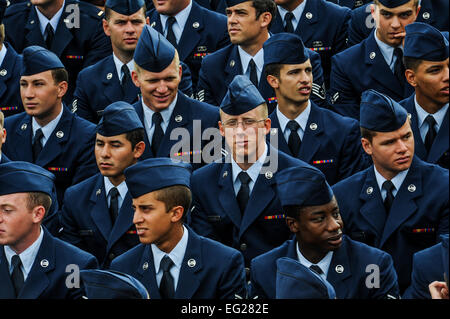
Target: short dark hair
[[177, 195], [60, 75], [367, 134], [108, 12], [292, 211], [135, 136], [39, 199], [411, 63], [262, 6], [273, 69]]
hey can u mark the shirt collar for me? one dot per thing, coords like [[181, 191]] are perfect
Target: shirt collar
[[297, 12], [166, 113], [177, 253], [181, 17], [2, 53], [43, 21], [49, 128], [253, 170], [119, 65], [301, 119], [324, 264], [397, 180], [122, 187], [28, 255], [245, 59], [422, 114]]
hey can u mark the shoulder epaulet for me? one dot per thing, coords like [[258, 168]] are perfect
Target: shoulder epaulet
[[17, 8]]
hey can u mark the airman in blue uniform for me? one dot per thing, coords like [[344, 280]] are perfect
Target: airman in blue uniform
[[304, 130], [220, 68], [239, 205], [164, 110], [172, 261], [313, 215], [397, 204], [321, 25], [97, 215], [375, 63], [71, 29], [428, 266], [426, 62], [33, 263], [193, 30], [47, 133], [431, 12]]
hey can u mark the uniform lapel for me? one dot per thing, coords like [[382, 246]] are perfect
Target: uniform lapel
[[277, 24], [63, 36], [276, 130], [155, 22], [372, 209], [192, 32], [123, 223], [6, 288], [311, 139], [404, 204], [305, 27], [33, 30], [340, 270], [45, 261], [440, 144], [227, 196], [146, 270], [110, 79], [100, 211], [8, 65], [233, 66], [188, 281], [419, 148], [24, 133]]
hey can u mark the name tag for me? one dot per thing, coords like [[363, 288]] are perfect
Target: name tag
[[86, 232]]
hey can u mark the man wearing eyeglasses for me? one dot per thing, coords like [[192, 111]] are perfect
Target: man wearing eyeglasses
[[235, 200]]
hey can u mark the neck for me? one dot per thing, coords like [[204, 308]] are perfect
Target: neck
[[46, 118], [256, 45], [245, 162], [123, 56], [32, 236], [173, 239], [50, 9], [389, 175], [291, 109], [312, 254], [291, 6], [429, 105], [116, 180]]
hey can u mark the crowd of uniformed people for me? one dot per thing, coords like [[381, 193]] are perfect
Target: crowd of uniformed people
[[224, 149]]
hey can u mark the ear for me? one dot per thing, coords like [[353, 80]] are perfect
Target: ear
[[177, 214], [147, 20], [3, 138], [106, 27], [273, 82], [292, 223], [411, 77], [63, 86], [267, 125], [367, 146], [221, 129], [38, 214], [135, 78], [265, 19], [139, 149]]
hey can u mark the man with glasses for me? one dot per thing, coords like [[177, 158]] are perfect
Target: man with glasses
[[234, 200]]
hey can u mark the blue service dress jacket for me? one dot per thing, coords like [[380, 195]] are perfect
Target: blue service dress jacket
[[331, 143], [99, 85], [347, 272], [10, 100], [431, 12], [205, 32], [358, 69], [48, 275], [201, 276], [323, 28], [215, 212], [219, 69], [439, 152], [184, 114], [68, 153], [79, 40], [418, 215], [86, 222]]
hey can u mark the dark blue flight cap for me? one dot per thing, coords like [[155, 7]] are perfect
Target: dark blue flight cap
[[424, 42], [296, 281], [125, 7], [285, 48], [393, 3], [303, 186], [24, 177], [37, 59], [156, 173], [242, 96], [445, 261], [118, 118], [231, 3], [380, 113], [111, 284], [153, 52], [3, 6]]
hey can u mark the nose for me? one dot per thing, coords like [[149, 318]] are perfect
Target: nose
[[137, 218], [105, 152], [129, 28], [402, 147], [395, 23], [333, 224], [162, 87]]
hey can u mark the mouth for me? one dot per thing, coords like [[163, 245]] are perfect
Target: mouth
[[335, 240], [161, 98], [403, 160], [130, 40], [445, 90], [304, 90], [105, 165], [31, 105], [140, 231]]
